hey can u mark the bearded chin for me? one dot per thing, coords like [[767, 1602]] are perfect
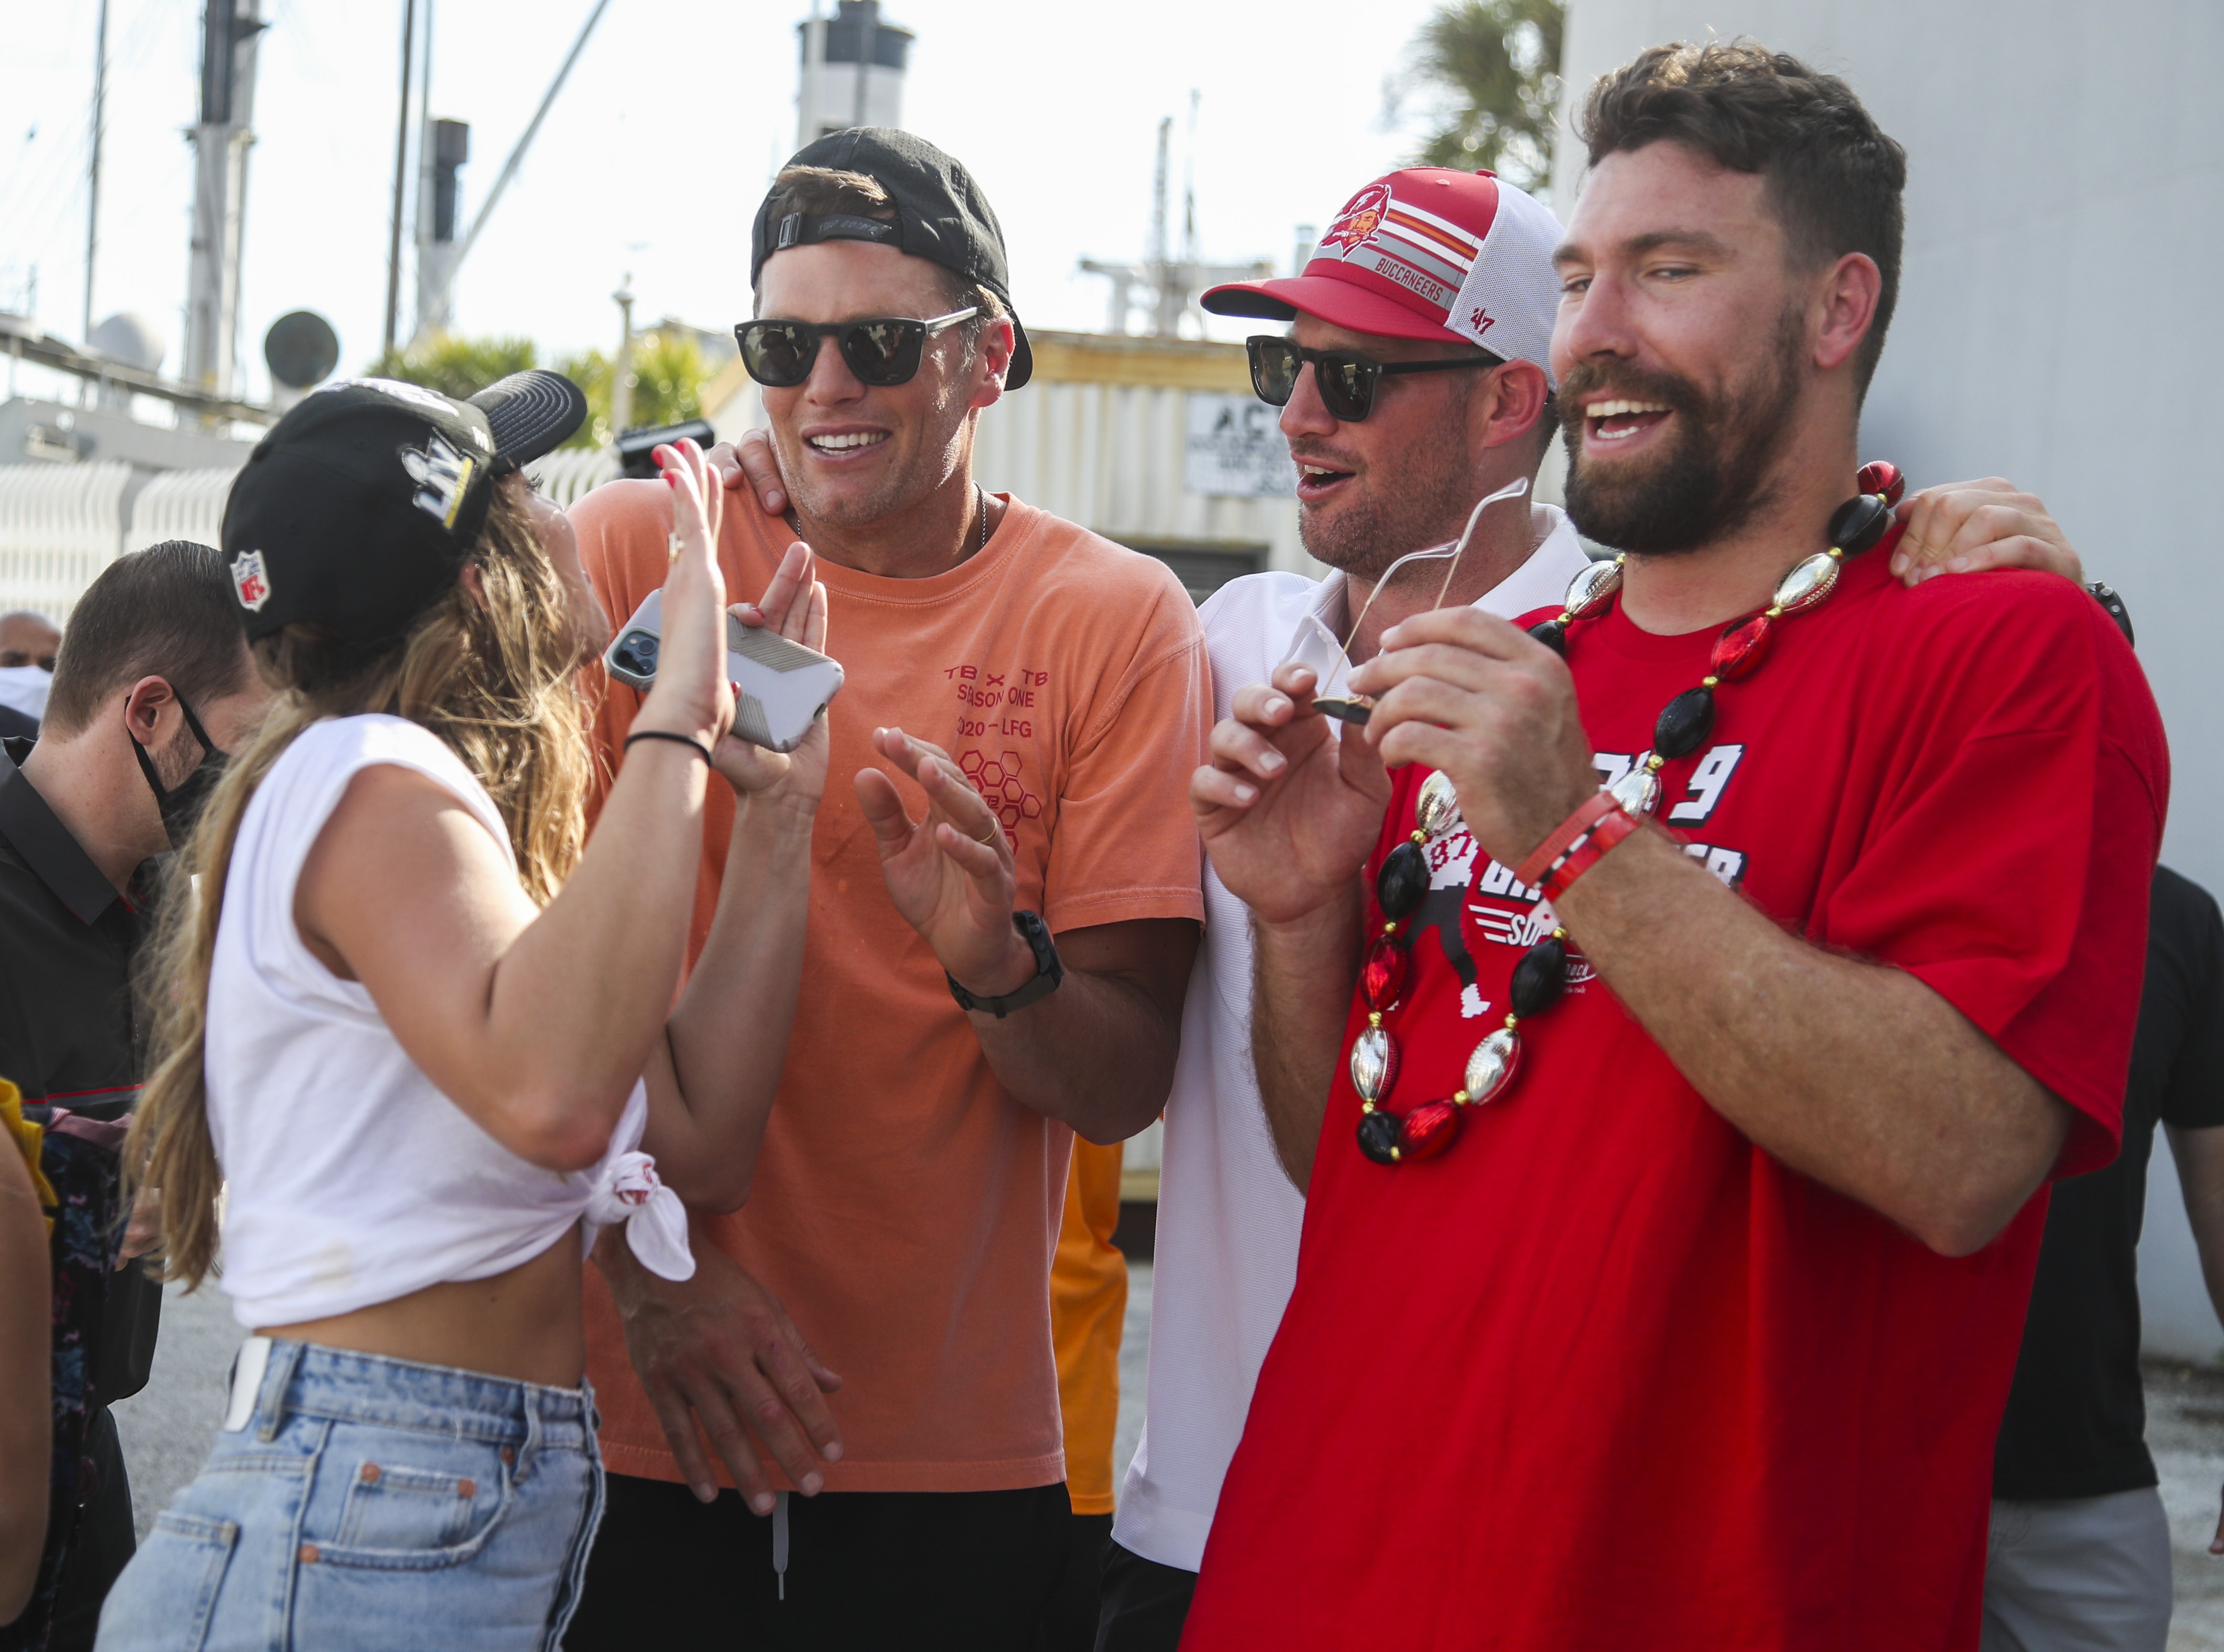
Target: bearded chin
[[1707, 485], [1675, 504]]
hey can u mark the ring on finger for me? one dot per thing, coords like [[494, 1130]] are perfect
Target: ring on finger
[[989, 842]]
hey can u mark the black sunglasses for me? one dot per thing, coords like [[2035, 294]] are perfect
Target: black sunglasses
[[880, 350], [1347, 381]]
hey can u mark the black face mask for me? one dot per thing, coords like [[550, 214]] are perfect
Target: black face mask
[[181, 805]]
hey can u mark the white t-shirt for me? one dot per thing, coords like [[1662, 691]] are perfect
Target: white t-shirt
[[351, 1179], [1227, 1244]]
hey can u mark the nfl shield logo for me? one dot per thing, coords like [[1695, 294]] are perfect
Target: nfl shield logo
[[249, 581]]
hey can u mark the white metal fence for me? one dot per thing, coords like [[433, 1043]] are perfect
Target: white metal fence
[[179, 505], [59, 525]]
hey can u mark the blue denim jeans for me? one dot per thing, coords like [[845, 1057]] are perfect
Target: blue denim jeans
[[367, 1501]]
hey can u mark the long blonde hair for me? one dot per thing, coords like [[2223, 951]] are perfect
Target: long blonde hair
[[495, 675]]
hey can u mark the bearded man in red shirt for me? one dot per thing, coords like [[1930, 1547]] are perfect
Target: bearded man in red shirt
[[1671, 1298]]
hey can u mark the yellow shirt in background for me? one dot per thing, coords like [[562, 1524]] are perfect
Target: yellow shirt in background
[[1088, 1308]]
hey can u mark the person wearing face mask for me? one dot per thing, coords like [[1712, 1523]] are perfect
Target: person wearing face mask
[[156, 685], [29, 643]]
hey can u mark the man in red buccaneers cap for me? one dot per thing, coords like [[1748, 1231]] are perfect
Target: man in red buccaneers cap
[[1670, 1227], [1402, 412]]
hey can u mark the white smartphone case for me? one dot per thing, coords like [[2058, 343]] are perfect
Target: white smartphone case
[[780, 687]]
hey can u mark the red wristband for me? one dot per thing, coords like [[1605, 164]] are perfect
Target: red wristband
[[1540, 861], [1585, 855]]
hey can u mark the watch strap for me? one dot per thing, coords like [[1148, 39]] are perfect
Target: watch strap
[[1050, 970]]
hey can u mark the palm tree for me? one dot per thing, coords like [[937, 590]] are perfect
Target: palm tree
[[669, 374], [1490, 72]]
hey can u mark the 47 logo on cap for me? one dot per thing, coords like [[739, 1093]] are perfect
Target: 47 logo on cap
[[250, 581]]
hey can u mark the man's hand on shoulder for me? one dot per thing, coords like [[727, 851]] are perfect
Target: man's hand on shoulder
[[1967, 526], [751, 463]]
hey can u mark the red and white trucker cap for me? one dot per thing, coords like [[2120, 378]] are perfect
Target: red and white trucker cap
[[1426, 253]]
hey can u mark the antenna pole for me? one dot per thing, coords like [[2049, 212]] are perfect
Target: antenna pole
[[99, 120], [400, 176]]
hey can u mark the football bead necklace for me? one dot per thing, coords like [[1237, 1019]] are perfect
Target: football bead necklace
[[1541, 976]]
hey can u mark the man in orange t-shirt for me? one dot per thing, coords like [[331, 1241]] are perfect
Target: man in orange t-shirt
[[1024, 703]]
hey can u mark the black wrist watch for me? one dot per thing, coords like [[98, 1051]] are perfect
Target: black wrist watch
[[1048, 971]]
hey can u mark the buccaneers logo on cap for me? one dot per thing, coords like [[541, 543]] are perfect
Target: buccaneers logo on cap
[[1361, 215], [250, 581], [443, 476]]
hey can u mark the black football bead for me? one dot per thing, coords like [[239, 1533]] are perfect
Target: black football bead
[[1859, 523], [1685, 722], [1552, 634], [1402, 881], [1378, 1136], [1540, 978]]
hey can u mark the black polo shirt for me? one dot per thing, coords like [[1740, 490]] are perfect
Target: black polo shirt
[[70, 1029], [70, 1032]]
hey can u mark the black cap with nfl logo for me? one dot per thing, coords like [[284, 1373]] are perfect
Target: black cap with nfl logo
[[357, 510]]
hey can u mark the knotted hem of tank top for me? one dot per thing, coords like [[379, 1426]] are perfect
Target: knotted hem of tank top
[[628, 1189]]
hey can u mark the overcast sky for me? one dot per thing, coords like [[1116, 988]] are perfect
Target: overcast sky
[[656, 153]]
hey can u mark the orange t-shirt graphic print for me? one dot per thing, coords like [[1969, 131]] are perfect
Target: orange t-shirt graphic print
[[906, 1208]]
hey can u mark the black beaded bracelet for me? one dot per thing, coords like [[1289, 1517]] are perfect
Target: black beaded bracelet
[[688, 741]]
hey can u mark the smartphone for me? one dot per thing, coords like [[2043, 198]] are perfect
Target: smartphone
[[780, 687]]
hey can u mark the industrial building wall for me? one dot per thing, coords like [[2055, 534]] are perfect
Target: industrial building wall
[[1115, 456], [2065, 221]]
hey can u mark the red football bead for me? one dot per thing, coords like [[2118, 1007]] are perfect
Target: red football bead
[[1383, 976], [1740, 650], [1427, 1131], [1882, 477]]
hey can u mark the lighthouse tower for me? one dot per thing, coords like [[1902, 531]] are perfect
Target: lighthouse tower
[[853, 70]]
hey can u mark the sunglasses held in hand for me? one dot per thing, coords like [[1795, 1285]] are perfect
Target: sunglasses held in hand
[[1346, 381], [1320, 652], [881, 350]]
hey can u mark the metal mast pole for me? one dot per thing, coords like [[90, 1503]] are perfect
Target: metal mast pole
[[400, 176], [1162, 323], [868, 28], [99, 120], [221, 143]]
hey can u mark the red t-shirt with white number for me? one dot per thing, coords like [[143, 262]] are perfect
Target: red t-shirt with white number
[[1605, 1375]]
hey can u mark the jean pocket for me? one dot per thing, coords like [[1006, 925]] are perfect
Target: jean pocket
[[166, 1595], [390, 1505]]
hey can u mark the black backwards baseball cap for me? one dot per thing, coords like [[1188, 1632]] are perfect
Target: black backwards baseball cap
[[357, 509], [941, 215]]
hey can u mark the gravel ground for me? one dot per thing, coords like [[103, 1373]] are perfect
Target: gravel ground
[[2185, 1431], [167, 1426]]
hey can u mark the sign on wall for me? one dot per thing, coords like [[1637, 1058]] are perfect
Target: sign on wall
[[1235, 449]]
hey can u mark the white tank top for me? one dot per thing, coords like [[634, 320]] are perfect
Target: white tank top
[[351, 1179]]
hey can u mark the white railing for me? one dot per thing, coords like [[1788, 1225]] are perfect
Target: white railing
[[59, 525], [179, 505], [570, 472]]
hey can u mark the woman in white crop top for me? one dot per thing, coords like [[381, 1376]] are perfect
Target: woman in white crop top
[[426, 1042]]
